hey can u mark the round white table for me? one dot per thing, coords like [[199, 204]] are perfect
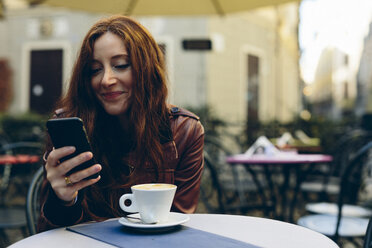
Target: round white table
[[260, 232]]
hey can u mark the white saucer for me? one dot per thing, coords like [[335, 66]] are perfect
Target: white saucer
[[174, 219], [331, 208]]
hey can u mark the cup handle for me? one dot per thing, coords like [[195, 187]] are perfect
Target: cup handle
[[132, 208]]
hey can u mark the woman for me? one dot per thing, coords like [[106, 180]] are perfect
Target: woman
[[118, 88]]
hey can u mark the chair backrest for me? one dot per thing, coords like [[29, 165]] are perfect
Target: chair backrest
[[3, 139], [32, 201], [352, 168], [212, 193], [221, 181], [368, 237], [22, 152], [346, 147]]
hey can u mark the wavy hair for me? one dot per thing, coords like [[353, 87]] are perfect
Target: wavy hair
[[147, 113]]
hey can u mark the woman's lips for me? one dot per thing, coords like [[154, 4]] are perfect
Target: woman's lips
[[112, 95]]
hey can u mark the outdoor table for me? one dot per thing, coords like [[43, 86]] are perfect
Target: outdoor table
[[253, 231], [12, 154], [10, 164], [291, 164], [7, 161]]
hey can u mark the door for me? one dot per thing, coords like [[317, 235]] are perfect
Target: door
[[45, 79], [253, 63]]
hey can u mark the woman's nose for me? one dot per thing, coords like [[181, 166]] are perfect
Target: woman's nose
[[108, 78]]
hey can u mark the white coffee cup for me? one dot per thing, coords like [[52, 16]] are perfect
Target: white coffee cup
[[152, 201]]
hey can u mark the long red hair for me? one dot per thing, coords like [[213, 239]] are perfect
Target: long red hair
[[147, 113]]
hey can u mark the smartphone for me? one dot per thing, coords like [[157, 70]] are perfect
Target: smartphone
[[71, 132]]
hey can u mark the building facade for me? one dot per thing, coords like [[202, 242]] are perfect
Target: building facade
[[243, 65]]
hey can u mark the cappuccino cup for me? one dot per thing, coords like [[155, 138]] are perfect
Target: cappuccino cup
[[152, 201]]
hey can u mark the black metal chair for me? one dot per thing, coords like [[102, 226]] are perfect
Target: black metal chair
[[19, 161], [33, 201], [221, 182], [339, 225], [211, 194], [367, 243], [325, 184]]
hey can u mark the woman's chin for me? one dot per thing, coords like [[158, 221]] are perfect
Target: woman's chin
[[116, 111]]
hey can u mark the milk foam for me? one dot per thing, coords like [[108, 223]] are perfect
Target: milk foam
[[154, 186]]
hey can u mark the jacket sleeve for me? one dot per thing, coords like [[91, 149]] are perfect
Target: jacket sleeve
[[189, 138], [53, 214]]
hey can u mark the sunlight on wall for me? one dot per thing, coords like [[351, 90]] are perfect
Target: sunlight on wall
[[340, 24]]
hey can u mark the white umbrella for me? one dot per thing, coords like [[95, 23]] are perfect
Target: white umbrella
[[1, 9], [163, 7]]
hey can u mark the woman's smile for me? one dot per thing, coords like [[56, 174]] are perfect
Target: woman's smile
[[114, 95]]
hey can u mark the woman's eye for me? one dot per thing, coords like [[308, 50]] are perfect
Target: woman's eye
[[94, 71], [122, 66]]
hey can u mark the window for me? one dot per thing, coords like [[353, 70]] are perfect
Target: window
[[253, 84], [253, 76], [197, 44]]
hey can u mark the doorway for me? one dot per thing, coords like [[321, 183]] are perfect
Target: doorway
[[253, 76], [46, 68]]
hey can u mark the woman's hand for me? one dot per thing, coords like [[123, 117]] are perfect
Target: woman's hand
[[56, 173]]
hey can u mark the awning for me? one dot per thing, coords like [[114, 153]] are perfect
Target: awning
[[164, 7]]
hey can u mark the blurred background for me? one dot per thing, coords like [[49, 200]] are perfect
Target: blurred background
[[256, 66], [247, 68]]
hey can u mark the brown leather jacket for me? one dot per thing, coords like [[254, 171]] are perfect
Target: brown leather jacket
[[184, 164]]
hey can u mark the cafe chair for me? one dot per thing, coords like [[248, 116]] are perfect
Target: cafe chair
[[221, 183], [324, 183], [368, 237], [211, 194], [33, 201], [353, 191], [18, 161]]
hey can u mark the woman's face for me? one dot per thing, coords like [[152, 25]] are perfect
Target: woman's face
[[111, 74]]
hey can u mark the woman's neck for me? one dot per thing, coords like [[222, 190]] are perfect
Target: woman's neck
[[124, 121]]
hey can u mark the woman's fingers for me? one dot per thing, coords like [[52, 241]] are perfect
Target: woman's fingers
[[84, 183], [80, 175], [55, 155], [68, 193], [56, 170], [68, 165], [66, 187]]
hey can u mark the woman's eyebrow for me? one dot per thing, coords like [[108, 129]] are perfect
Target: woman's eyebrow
[[120, 56]]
